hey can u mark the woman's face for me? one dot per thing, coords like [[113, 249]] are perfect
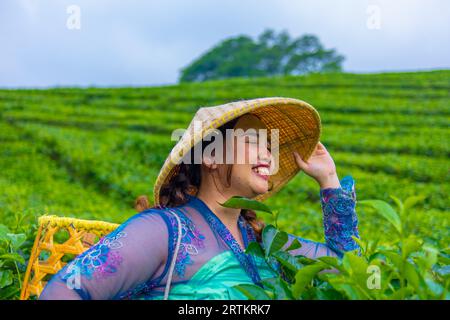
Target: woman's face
[[252, 164]]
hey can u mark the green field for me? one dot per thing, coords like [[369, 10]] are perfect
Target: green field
[[89, 152]]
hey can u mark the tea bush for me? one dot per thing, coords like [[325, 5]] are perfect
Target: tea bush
[[90, 152], [409, 268]]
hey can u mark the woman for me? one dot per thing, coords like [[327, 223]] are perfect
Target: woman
[[188, 246]]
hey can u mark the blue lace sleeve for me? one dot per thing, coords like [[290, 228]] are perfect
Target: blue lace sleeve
[[339, 216], [339, 220], [128, 257]]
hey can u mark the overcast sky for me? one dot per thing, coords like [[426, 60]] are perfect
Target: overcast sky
[[148, 42]]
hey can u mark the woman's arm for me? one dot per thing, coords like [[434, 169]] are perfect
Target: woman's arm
[[121, 260], [339, 216], [338, 200], [339, 220]]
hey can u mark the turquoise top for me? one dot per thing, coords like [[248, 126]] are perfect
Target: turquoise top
[[132, 262], [216, 278]]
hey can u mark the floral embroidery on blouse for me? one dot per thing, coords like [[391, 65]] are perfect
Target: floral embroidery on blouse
[[191, 241], [339, 216], [100, 260], [246, 260]]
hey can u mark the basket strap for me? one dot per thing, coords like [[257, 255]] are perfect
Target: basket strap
[[174, 257]]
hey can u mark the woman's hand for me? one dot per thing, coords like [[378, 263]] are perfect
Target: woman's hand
[[320, 166]]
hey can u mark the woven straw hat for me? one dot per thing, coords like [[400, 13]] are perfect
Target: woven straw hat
[[297, 121]]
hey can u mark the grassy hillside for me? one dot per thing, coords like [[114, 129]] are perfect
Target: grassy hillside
[[90, 152]]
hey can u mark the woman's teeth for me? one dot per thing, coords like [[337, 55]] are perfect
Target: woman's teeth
[[262, 170]]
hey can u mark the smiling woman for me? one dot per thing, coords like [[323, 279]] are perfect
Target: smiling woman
[[188, 246]]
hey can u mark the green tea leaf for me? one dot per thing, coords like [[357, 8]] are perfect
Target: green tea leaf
[[287, 260], [273, 239], [6, 278], [9, 292], [401, 208], [413, 200], [356, 265], [239, 202], [16, 239], [252, 292], [385, 210], [347, 289], [279, 287], [13, 257], [411, 275], [427, 258], [363, 245], [275, 215], [333, 262], [3, 231], [411, 245], [401, 293], [305, 260], [304, 276], [295, 244], [394, 257], [255, 249]]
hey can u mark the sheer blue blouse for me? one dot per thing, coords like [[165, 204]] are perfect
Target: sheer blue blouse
[[132, 262]]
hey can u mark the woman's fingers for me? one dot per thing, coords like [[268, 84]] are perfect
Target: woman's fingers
[[302, 164], [320, 149], [320, 146]]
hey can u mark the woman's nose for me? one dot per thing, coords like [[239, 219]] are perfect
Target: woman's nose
[[265, 156]]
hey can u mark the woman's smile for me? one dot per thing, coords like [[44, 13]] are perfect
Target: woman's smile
[[262, 171]]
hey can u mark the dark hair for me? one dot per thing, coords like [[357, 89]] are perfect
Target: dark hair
[[188, 180]]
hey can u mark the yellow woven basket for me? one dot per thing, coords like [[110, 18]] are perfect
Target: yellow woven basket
[[82, 234]]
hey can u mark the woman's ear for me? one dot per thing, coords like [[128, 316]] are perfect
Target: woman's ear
[[209, 162]]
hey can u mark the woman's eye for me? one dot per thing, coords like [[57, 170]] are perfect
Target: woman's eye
[[255, 141]]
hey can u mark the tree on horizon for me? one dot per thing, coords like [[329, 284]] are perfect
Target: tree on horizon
[[270, 54]]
